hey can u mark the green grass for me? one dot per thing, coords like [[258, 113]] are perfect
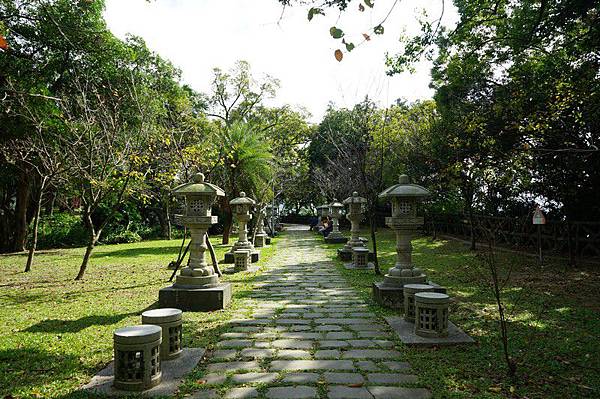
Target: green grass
[[554, 323], [56, 333]]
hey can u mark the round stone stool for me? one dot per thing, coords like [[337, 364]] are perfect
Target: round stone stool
[[170, 321], [360, 257], [137, 357], [409, 299], [431, 314]]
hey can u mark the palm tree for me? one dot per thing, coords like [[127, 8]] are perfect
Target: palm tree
[[246, 165]]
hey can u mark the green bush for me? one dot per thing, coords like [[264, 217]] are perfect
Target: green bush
[[61, 230], [122, 237]]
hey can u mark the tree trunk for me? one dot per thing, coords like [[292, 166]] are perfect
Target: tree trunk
[[20, 232], [168, 220], [50, 203], [227, 223], [472, 228], [36, 223], [93, 239], [373, 228], [86, 258]]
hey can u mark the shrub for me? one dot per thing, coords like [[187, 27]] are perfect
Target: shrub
[[61, 230], [122, 237]]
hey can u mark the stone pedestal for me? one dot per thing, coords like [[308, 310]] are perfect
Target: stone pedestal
[[198, 273], [196, 300], [403, 271]]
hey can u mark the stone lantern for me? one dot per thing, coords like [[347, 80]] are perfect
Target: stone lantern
[[405, 198], [197, 287], [335, 212], [322, 211], [273, 217], [355, 212], [260, 240], [241, 209]]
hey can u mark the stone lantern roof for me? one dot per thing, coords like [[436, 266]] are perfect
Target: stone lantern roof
[[405, 189], [198, 187], [323, 206], [242, 200], [336, 204], [355, 199]]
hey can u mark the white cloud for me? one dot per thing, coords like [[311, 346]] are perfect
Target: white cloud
[[198, 35]]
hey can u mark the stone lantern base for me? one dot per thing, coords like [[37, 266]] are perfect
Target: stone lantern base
[[260, 240], [345, 253], [230, 258], [335, 237], [195, 299], [393, 296]]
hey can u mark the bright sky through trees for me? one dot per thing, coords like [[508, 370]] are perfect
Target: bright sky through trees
[[199, 35]]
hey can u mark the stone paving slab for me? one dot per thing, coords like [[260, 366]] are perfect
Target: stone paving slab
[[405, 332], [399, 393], [294, 392], [341, 392], [309, 336]]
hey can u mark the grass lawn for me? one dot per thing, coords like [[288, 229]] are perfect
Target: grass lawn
[[554, 323], [56, 333]]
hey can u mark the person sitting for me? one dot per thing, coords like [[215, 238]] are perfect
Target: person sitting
[[322, 224], [328, 228]]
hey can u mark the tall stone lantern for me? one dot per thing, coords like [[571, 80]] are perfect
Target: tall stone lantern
[[335, 212], [260, 240], [405, 198], [197, 287], [272, 218], [355, 213], [323, 210], [241, 209]]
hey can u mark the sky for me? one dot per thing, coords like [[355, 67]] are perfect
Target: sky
[[198, 35]]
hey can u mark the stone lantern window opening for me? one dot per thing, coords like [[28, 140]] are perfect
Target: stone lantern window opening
[[198, 207]]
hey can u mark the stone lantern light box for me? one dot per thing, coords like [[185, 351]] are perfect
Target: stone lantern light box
[[197, 285]]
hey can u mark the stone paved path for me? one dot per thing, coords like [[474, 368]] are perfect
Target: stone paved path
[[305, 334]]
